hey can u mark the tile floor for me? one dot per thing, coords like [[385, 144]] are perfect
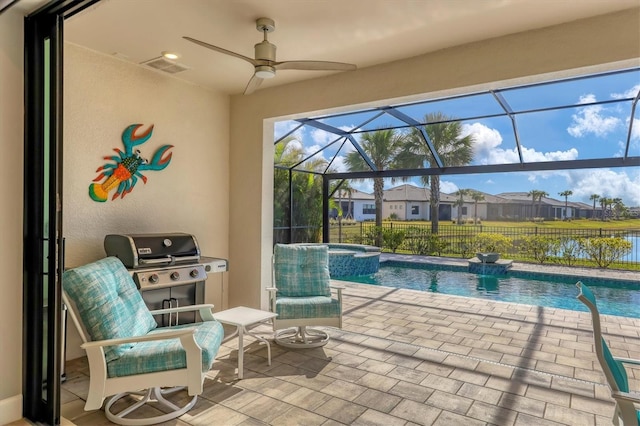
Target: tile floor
[[405, 357]]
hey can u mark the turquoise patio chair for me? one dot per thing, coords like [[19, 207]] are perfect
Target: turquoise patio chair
[[302, 296], [127, 354], [613, 367]]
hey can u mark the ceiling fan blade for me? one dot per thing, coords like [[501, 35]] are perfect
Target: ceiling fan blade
[[314, 66], [221, 50], [253, 84]]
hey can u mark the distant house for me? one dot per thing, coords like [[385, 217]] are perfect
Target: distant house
[[355, 204], [584, 211], [410, 202], [520, 206]]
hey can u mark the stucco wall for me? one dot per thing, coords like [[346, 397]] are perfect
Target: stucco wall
[[605, 42], [102, 96], [11, 145]]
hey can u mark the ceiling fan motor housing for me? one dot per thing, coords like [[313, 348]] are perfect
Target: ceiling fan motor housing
[[265, 51]]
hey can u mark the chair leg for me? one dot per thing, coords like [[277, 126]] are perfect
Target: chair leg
[[153, 394], [301, 337]]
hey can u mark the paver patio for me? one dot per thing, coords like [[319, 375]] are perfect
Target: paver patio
[[407, 357]]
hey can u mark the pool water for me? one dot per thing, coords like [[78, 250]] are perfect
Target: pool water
[[620, 298]]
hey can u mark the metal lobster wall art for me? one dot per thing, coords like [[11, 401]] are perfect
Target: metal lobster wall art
[[127, 165]]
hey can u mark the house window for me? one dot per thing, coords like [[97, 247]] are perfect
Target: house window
[[415, 209], [369, 209], [464, 210]]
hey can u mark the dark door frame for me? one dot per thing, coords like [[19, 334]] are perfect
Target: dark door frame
[[43, 251]]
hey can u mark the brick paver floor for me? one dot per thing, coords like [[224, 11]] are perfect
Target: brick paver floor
[[405, 357]]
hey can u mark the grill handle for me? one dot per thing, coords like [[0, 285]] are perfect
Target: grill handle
[[168, 260]]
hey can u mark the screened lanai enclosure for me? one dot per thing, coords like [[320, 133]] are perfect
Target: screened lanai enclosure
[[554, 150]]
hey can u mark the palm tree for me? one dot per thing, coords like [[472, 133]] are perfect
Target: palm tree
[[603, 205], [452, 148], [460, 202], [305, 193], [382, 147], [541, 195], [536, 195], [345, 188], [594, 198], [566, 195], [476, 196], [605, 202], [618, 207]]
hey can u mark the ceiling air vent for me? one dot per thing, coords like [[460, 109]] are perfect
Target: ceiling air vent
[[165, 65]]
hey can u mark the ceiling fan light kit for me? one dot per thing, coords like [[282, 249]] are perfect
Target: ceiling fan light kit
[[265, 64], [265, 71]]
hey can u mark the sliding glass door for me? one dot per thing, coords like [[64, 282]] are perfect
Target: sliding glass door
[[43, 237]]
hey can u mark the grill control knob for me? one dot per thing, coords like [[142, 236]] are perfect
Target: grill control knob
[[193, 273], [153, 278], [175, 275]]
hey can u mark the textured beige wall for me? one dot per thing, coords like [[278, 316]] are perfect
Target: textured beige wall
[[11, 145], [102, 96], [567, 49]]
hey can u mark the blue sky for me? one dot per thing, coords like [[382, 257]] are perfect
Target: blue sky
[[585, 131]]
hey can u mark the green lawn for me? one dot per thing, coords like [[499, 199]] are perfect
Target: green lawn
[[459, 236], [559, 224]]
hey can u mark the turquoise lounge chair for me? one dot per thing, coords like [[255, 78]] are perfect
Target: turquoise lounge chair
[[625, 413]]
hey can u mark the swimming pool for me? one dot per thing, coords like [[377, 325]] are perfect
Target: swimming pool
[[620, 298]]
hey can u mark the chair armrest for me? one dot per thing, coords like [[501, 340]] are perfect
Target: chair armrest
[[626, 396], [337, 287], [205, 311], [165, 335], [271, 289], [628, 360]]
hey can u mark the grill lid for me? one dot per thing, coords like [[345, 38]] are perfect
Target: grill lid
[[138, 250]]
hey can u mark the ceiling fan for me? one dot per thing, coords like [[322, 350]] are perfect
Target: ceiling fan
[[265, 63]]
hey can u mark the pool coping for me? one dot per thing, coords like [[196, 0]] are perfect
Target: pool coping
[[598, 273]]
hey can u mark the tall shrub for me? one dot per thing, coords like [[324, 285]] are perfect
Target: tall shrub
[[605, 251]]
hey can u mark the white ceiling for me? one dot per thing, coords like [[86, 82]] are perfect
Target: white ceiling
[[362, 32]]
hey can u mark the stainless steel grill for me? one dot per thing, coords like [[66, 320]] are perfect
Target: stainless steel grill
[[168, 270]]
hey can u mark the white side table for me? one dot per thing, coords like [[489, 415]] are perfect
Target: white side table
[[242, 317]]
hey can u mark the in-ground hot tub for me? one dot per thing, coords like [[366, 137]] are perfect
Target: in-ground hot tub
[[348, 260]]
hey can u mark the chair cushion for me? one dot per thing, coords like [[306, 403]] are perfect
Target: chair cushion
[[307, 307], [301, 270], [163, 355], [108, 302]]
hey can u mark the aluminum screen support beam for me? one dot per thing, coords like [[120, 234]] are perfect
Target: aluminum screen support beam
[[631, 120], [325, 209], [507, 108], [495, 168]]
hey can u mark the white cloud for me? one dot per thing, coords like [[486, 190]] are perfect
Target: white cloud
[[448, 187], [338, 164], [606, 183], [587, 99], [283, 127], [321, 137], [592, 120], [308, 150], [631, 93], [530, 155], [635, 131], [487, 148]]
